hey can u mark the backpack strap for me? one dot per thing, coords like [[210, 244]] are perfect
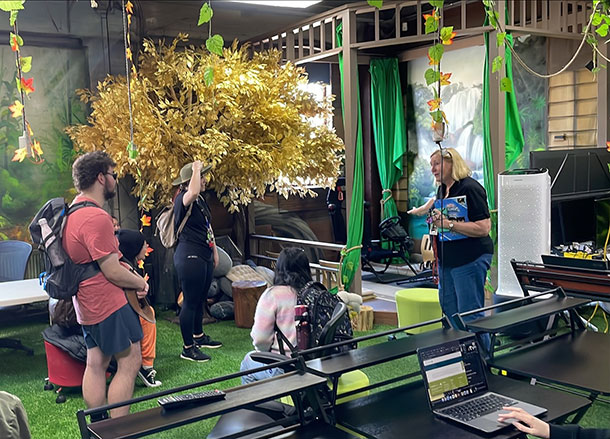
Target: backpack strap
[[281, 339], [74, 207], [184, 220], [311, 284]]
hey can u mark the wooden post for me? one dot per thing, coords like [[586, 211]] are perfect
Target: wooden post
[[245, 297]]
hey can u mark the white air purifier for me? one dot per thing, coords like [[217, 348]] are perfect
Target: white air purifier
[[524, 223]]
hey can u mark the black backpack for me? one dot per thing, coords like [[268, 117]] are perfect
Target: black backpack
[[61, 276], [320, 306]]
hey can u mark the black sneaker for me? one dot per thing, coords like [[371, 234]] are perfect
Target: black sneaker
[[194, 354], [206, 342], [148, 377]]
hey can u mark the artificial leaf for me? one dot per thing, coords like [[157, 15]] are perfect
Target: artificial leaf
[[128, 54], [16, 109], [597, 19], [437, 3], [431, 22], [208, 76], [37, 148], [602, 30], [26, 63], [432, 62], [20, 155], [506, 85], [13, 18], [496, 64], [215, 44], [145, 220], [434, 104], [435, 53], [431, 76], [205, 14], [444, 78], [132, 151], [376, 3], [15, 41], [500, 38], [447, 35], [129, 7], [128, 24], [437, 116], [149, 250], [27, 85], [30, 131], [141, 264], [608, 146], [11, 5]]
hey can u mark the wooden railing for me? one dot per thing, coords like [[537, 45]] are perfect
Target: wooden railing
[[401, 23]]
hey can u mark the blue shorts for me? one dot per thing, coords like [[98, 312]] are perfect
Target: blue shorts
[[116, 333]]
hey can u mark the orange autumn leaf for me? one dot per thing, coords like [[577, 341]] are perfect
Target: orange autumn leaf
[[433, 15], [30, 132], [608, 146], [141, 264], [434, 104], [129, 7], [449, 41], [432, 62], [20, 155], [445, 78], [145, 220], [128, 54], [27, 85], [149, 250], [129, 20], [16, 109], [37, 148], [14, 42]]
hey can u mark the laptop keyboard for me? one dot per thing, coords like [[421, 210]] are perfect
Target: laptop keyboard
[[475, 408]]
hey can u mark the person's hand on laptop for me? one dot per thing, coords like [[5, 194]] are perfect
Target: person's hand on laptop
[[525, 422]]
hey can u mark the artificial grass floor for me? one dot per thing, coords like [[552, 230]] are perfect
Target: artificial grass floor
[[24, 376]]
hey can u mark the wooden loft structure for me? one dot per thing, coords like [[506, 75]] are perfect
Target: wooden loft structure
[[397, 30]]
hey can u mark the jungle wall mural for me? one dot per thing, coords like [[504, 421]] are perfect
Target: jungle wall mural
[[25, 186], [463, 108]]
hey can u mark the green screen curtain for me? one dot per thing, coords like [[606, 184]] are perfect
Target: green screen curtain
[[388, 127], [355, 223], [514, 140]]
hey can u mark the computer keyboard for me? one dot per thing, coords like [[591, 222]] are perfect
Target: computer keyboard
[[475, 408], [178, 401]]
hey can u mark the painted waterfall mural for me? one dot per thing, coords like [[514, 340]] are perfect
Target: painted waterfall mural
[[463, 107]]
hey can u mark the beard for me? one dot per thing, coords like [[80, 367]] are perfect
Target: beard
[[109, 194]]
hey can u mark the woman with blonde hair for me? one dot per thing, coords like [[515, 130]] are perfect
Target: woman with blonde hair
[[464, 248]]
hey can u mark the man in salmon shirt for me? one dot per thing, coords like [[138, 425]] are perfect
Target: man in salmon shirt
[[110, 326]]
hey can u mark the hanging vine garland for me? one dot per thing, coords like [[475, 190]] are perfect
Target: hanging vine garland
[[28, 146]]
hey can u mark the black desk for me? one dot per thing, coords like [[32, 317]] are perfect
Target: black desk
[[154, 420], [338, 364], [404, 412], [579, 359]]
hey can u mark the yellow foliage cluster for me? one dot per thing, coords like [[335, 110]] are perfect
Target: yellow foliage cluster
[[249, 120]]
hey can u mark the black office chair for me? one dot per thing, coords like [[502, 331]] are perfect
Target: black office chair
[[274, 411], [14, 257]]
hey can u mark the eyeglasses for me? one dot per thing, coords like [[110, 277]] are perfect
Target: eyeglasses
[[114, 174]]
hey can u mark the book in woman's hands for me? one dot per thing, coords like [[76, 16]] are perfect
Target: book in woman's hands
[[456, 210]]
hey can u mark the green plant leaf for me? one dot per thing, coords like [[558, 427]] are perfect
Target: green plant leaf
[[496, 64], [19, 39], [446, 33], [205, 14], [500, 38], [26, 64], [437, 116], [208, 76], [597, 19], [13, 18], [506, 85], [431, 25], [11, 5], [215, 44], [431, 76], [437, 3], [375, 3], [436, 52], [132, 151], [602, 30]]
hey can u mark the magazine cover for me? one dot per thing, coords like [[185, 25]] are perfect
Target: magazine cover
[[456, 210]]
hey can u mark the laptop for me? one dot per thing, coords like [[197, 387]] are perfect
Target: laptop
[[587, 264], [456, 386]]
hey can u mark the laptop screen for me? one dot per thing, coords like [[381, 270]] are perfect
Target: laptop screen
[[452, 371]]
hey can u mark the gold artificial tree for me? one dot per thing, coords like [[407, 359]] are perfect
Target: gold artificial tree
[[246, 115]]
